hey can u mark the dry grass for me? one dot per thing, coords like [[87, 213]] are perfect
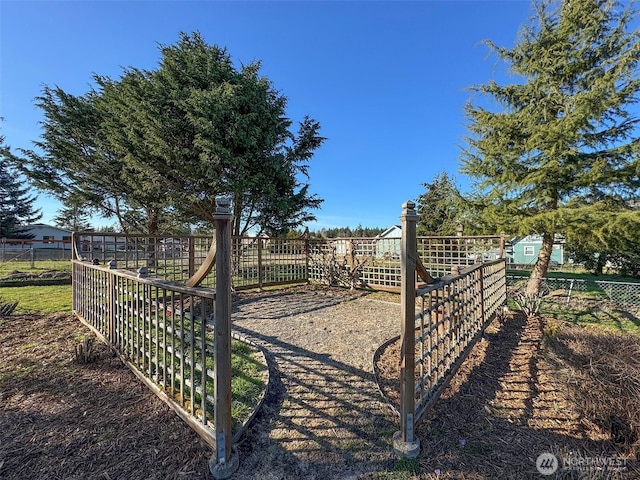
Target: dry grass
[[528, 388], [532, 385], [602, 373]]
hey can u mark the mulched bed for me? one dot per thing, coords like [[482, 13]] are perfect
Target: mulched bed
[[17, 278], [512, 400], [62, 420]]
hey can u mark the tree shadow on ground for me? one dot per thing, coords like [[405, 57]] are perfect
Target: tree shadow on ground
[[503, 409]]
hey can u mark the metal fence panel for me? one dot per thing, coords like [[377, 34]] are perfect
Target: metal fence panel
[[625, 294]]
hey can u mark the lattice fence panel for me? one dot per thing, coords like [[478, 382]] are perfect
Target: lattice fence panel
[[451, 315]]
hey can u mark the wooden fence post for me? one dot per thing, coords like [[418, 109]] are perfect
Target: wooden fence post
[[307, 253], [225, 462], [405, 443], [111, 307], [260, 272], [192, 256]]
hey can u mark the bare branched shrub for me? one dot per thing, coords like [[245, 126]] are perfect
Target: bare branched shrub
[[340, 270]]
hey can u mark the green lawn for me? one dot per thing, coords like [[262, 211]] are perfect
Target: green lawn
[[592, 316], [586, 308], [45, 299], [38, 267]]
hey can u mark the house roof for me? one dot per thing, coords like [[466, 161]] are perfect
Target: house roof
[[389, 230], [36, 226], [535, 237]]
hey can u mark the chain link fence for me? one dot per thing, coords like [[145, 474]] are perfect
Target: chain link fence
[[624, 294]]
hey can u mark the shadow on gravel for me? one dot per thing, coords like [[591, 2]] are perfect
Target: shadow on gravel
[[322, 419]]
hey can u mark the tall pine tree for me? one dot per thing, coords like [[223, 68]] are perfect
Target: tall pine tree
[[560, 152], [16, 206]]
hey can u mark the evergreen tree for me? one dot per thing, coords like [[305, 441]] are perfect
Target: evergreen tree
[[73, 216], [561, 155], [154, 148], [440, 208], [198, 127], [16, 206], [75, 163]]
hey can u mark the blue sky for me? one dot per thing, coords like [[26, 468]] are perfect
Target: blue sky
[[386, 80]]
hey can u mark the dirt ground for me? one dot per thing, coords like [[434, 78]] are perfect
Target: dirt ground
[[62, 420], [323, 416], [510, 402]]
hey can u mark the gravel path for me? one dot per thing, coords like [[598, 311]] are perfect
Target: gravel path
[[323, 417]]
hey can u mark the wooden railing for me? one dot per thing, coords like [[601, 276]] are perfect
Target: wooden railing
[[165, 332], [258, 262], [440, 324], [451, 316]]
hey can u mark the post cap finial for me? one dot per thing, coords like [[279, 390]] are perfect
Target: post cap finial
[[223, 204], [409, 205], [408, 211]]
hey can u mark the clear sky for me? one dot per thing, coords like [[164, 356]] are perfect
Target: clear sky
[[386, 80]]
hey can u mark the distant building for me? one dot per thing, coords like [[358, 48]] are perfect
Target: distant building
[[388, 242], [525, 250], [44, 237]]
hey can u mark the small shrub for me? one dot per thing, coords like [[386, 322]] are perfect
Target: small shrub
[[85, 352]]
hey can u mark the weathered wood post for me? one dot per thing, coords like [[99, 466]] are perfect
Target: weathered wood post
[[260, 272], [74, 280], [307, 253], [225, 462], [192, 256], [405, 443]]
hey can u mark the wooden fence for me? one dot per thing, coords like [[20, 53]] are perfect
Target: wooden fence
[[165, 332], [258, 262], [160, 330], [441, 323], [151, 311]]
